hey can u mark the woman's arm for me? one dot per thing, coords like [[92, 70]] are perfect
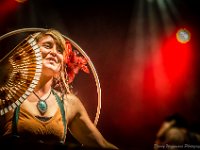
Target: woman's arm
[[83, 129]]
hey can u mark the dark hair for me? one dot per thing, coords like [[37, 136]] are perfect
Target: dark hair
[[180, 121]]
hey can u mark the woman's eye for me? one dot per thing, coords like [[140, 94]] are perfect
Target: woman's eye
[[47, 46], [60, 50]]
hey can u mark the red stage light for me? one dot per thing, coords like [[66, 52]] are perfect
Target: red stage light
[[7, 7], [177, 60]]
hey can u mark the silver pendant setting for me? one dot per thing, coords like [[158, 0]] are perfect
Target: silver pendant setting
[[42, 106]]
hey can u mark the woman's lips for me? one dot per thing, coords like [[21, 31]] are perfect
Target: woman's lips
[[52, 59]]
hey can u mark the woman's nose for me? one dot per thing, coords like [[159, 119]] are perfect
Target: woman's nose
[[53, 50]]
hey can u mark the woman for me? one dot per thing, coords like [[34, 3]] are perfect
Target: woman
[[51, 109]]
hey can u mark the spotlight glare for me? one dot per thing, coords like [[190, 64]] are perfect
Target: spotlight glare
[[183, 35]]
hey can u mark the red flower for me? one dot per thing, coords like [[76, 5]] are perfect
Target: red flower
[[74, 62]]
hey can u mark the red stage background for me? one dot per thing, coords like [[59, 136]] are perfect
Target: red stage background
[[146, 74]]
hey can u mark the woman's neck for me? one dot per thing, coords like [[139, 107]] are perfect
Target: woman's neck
[[44, 84]]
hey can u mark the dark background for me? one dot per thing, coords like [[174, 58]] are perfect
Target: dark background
[[120, 37]]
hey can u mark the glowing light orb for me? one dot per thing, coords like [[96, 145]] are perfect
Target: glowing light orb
[[183, 36]]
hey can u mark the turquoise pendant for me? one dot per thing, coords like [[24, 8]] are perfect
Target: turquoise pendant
[[42, 106]]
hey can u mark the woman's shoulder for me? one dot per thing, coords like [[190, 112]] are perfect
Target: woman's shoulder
[[73, 100], [68, 97], [72, 97], [72, 104]]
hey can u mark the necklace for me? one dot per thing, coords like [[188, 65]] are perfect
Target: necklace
[[42, 105]]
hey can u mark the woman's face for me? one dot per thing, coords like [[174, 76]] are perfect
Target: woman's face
[[52, 55]]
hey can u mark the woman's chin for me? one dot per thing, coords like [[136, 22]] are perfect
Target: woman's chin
[[50, 69]]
